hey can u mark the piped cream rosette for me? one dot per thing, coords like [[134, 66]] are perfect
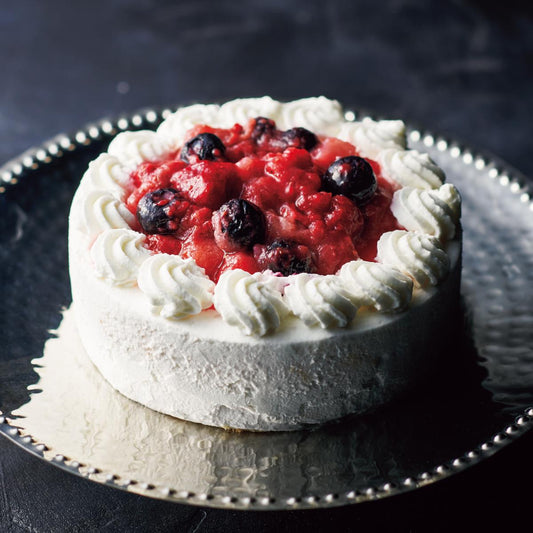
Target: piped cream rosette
[[408, 260]]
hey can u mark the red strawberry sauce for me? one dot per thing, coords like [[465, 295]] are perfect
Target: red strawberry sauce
[[285, 183]]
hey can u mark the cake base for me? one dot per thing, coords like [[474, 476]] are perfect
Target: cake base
[[202, 370]]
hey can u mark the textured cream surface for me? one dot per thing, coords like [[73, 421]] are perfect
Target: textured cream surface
[[101, 429], [320, 301], [175, 287], [107, 174], [117, 255], [418, 255], [371, 137], [431, 211], [99, 211], [249, 303], [133, 147], [410, 168], [377, 285], [204, 370]]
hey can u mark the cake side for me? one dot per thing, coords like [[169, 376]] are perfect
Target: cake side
[[204, 371]]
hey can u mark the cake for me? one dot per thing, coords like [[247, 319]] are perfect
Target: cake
[[265, 266]]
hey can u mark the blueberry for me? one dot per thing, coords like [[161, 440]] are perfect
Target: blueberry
[[158, 211], [206, 146], [238, 225], [351, 176], [263, 128], [300, 138], [286, 257]]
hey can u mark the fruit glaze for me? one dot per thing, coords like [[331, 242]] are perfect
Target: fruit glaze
[[257, 198], [289, 204]]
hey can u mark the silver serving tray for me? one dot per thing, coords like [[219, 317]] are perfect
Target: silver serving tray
[[56, 405]]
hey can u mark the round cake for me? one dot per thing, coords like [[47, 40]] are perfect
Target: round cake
[[265, 266]]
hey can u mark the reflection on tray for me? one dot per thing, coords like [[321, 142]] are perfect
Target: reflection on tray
[[79, 415]]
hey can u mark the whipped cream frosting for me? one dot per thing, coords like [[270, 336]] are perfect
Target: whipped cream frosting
[[372, 137], [434, 211], [131, 148], [117, 255], [176, 287], [101, 210], [252, 305], [241, 110], [410, 168], [317, 114], [258, 305], [417, 255], [105, 173], [320, 301], [204, 370], [377, 285], [174, 128]]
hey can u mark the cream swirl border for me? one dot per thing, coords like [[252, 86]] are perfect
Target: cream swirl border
[[320, 114]]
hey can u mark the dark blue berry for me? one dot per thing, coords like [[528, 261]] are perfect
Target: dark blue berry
[[238, 225], [351, 176], [299, 138], [206, 147], [264, 128], [159, 211], [286, 257]]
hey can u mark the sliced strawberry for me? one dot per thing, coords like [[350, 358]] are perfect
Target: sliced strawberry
[[308, 227]]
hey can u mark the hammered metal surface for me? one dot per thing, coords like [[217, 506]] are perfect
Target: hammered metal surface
[[57, 406]]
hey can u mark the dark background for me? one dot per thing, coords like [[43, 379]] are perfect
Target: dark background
[[462, 69]]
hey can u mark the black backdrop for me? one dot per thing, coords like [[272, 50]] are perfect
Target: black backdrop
[[460, 68]]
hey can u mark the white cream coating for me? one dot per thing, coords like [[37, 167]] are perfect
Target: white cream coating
[[320, 301], [372, 137], [117, 255], [418, 255], [252, 305], [204, 370], [99, 211], [105, 173], [432, 211], [317, 114], [173, 130], [241, 110], [275, 281], [377, 285], [132, 148], [410, 168], [177, 288], [449, 194]]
